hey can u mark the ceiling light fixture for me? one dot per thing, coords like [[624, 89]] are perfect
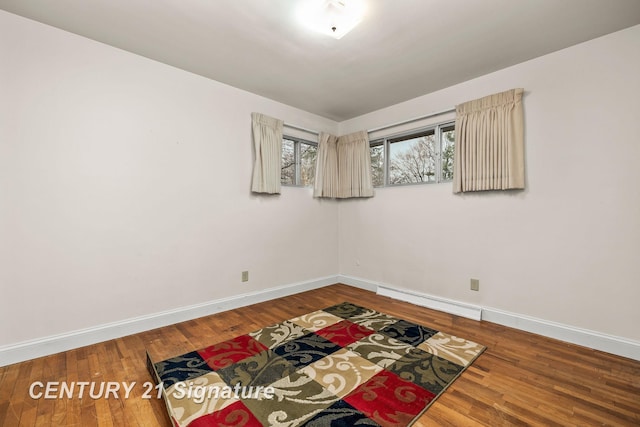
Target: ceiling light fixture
[[334, 18]]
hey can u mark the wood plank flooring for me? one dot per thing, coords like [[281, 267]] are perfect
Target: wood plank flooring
[[521, 379]]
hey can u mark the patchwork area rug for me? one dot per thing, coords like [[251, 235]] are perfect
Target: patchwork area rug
[[344, 365]]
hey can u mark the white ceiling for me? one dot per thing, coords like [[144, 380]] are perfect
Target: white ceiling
[[401, 50]]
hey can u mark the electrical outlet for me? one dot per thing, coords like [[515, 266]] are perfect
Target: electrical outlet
[[475, 284], [245, 276]]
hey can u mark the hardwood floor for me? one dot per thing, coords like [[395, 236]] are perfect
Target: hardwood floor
[[521, 379]]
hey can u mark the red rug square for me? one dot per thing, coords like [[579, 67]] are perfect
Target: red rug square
[[390, 400], [227, 353], [344, 333]]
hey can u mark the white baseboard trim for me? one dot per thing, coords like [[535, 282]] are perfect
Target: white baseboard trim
[[356, 282], [436, 303], [584, 337], [608, 343], [424, 300], [27, 350]]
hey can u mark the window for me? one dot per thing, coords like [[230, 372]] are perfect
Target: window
[[298, 166], [288, 163], [377, 163], [422, 156], [412, 159], [447, 140]]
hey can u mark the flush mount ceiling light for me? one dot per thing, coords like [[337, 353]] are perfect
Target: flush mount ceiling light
[[334, 18]]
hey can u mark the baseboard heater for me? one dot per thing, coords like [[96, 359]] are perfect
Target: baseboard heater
[[441, 304]]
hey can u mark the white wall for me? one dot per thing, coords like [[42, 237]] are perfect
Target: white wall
[[565, 250], [125, 188]]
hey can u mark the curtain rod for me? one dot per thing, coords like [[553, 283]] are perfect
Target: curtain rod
[[313, 132], [415, 119], [404, 122]]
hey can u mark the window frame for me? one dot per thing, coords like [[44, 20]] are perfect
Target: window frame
[[386, 142], [297, 160]]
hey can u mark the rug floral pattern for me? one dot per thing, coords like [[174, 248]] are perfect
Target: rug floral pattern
[[344, 365]]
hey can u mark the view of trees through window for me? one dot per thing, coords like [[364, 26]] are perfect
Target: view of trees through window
[[298, 165], [308, 154], [412, 159], [288, 163], [419, 157], [423, 156], [447, 146], [377, 164]]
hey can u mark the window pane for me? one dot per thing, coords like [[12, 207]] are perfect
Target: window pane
[[412, 159], [447, 148], [377, 164], [307, 163], [288, 164]]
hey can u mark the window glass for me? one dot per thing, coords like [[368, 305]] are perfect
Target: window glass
[[412, 159], [308, 154], [423, 156], [288, 164], [298, 165], [377, 163], [447, 145]]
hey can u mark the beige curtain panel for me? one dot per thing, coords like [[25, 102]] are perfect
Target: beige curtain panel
[[489, 149], [326, 179], [354, 166], [343, 166], [267, 143]]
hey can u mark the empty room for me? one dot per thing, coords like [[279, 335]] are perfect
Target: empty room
[[319, 213]]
